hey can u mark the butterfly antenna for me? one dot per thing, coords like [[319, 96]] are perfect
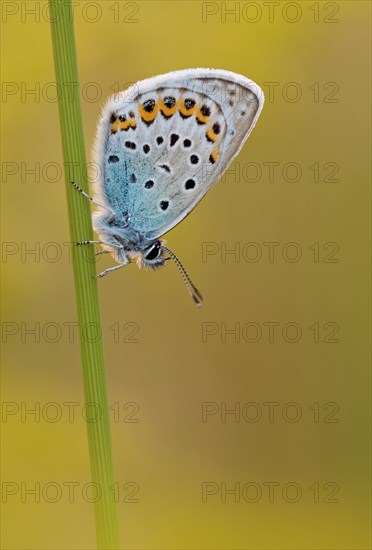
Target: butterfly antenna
[[194, 292]]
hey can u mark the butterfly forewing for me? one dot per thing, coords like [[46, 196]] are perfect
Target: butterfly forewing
[[163, 143]]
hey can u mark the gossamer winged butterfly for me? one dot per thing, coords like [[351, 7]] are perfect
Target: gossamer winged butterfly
[[160, 147]]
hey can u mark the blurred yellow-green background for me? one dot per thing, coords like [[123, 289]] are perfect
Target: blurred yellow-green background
[[296, 369]]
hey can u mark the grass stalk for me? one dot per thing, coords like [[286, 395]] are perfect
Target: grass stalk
[[95, 390]]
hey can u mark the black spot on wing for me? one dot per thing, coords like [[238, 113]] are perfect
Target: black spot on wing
[[130, 145], [165, 167], [149, 105], [113, 158], [216, 128], [169, 102], [173, 139], [190, 184], [189, 104]]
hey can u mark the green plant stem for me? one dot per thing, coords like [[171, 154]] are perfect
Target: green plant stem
[[99, 436]]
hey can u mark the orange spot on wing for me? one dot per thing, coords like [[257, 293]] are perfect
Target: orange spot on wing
[[211, 135], [214, 155], [186, 112], [145, 115], [167, 111], [202, 118], [130, 123], [115, 126]]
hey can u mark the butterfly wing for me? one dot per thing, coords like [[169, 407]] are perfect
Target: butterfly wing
[[163, 143]]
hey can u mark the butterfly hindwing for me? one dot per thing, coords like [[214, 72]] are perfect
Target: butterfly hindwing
[[163, 143]]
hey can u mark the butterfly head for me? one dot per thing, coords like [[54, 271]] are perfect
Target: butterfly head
[[152, 257]]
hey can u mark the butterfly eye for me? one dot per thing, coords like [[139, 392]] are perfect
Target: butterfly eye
[[153, 251]]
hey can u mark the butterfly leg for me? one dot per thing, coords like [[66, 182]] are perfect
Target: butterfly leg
[[118, 253], [103, 252], [107, 271], [111, 245], [79, 243], [120, 258]]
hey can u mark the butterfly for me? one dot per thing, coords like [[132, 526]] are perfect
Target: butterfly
[[160, 146]]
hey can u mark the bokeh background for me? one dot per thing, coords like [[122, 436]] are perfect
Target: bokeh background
[[312, 59]]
